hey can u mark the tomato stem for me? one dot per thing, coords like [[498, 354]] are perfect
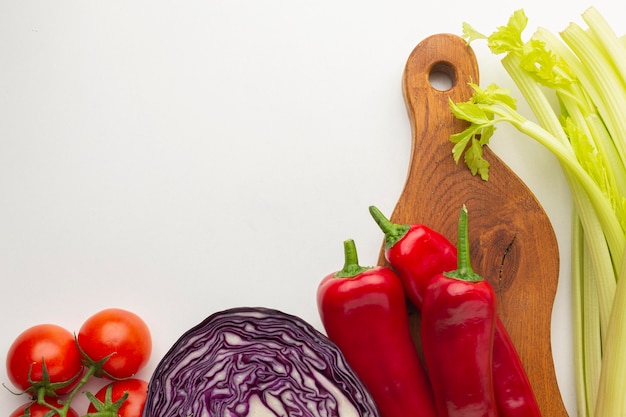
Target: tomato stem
[[63, 411], [41, 399]]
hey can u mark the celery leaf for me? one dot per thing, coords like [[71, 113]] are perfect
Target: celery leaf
[[493, 94], [475, 161], [470, 112], [509, 38], [470, 34]]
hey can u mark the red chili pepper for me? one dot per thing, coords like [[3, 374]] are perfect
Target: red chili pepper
[[363, 310], [457, 328], [412, 252], [416, 252]]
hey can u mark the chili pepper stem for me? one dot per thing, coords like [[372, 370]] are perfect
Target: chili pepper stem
[[393, 232], [351, 267], [464, 269]]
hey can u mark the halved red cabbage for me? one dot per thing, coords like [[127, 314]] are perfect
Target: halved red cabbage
[[254, 361]]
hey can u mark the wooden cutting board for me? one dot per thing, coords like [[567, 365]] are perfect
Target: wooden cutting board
[[512, 241]]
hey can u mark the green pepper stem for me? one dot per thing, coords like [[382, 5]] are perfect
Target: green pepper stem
[[351, 267], [464, 271], [393, 232]]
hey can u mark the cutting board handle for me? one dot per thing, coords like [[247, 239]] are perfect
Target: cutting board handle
[[439, 56]]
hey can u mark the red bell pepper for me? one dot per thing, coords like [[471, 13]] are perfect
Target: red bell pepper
[[363, 310], [457, 328], [418, 253]]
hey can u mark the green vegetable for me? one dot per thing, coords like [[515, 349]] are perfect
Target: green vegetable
[[585, 70]]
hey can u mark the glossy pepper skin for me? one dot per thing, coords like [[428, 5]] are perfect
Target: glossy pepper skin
[[412, 252], [417, 253], [457, 330], [363, 311]]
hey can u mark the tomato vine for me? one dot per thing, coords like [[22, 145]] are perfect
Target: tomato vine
[[53, 366]]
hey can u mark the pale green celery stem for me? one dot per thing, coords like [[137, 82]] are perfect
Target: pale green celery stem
[[535, 98], [552, 137], [556, 45], [591, 261], [610, 402], [603, 141], [614, 187], [611, 153], [582, 398], [591, 121], [608, 221], [587, 346], [613, 45], [598, 254], [597, 249], [600, 223], [588, 109], [605, 87], [592, 331], [585, 334]]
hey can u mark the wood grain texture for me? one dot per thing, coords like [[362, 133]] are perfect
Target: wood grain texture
[[512, 241]]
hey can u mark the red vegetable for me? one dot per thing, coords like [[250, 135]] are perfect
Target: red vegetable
[[364, 312], [457, 328], [37, 410], [417, 254], [44, 343], [132, 405], [120, 334]]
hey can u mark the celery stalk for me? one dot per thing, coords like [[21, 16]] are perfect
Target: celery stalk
[[563, 151], [598, 265], [582, 398], [587, 348], [592, 339], [586, 72], [613, 45], [611, 398], [607, 85]]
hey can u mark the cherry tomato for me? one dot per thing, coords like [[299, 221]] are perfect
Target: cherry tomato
[[48, 342], [133, 404], [121, 334], [37, 410]]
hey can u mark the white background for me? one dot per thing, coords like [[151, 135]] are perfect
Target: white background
[[177, 158]]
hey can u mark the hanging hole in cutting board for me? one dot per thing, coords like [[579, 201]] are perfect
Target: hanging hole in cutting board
[[442, 76]]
